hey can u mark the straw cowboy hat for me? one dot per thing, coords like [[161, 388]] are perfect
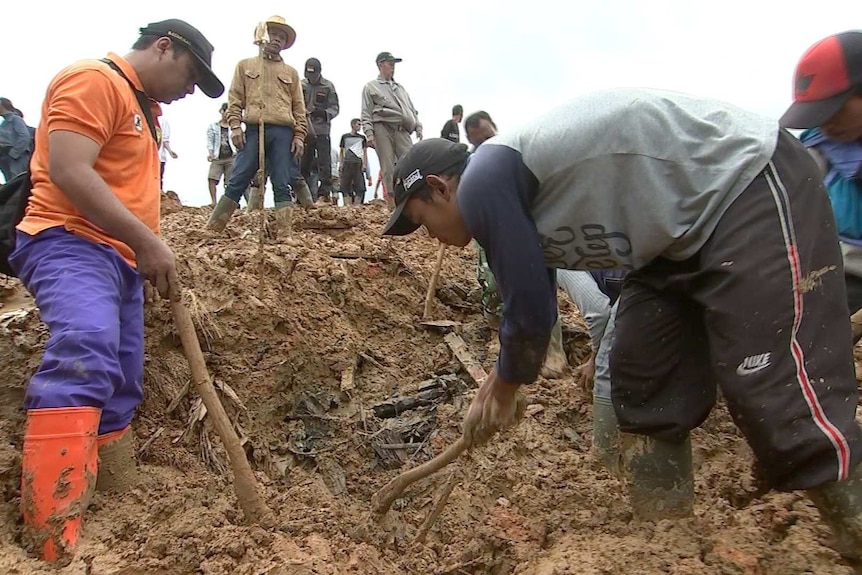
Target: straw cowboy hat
[[275, 22]]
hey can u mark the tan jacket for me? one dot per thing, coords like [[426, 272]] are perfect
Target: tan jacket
[[284, 102]]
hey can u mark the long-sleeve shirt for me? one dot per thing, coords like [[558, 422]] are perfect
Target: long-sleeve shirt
[[282, 94], [15, 135], [388, 102], [321, 104], [612, 179]]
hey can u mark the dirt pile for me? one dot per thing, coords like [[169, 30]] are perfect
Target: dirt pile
[[317, 346]]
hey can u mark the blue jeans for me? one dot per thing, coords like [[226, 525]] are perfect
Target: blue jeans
[[279, 162], [93, 304]]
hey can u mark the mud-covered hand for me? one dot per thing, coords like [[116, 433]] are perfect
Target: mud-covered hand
[[497, 405], [585, 373], [156, 262], [297, 147], [237, 136]]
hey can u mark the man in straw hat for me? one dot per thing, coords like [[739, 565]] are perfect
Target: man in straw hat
[[264, 78], [87, 242]]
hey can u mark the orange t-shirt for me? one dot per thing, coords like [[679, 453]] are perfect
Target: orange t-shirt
[[91, 99]]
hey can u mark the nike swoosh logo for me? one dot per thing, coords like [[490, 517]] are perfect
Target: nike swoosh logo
[[742, 370]]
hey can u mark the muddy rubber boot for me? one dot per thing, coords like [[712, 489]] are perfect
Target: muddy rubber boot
[[303, 194], [58, 475], [555, 359], [284, 219], [840, 506], [659, 477], [117, 469], [606, 435], [255, 198], [221, 214]]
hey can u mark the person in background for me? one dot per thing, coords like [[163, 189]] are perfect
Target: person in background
[[16, 141], [450, 128], [388, 117], [479, 127], [220, 153], [164, 149], [828, 105], [321, 106], [353, 150]]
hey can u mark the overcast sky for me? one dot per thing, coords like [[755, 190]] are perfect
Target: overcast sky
[[513, 59]]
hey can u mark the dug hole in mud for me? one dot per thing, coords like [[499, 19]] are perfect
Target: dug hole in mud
[[317, 349]]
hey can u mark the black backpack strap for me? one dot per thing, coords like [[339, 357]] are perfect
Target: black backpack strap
[[143, 99]]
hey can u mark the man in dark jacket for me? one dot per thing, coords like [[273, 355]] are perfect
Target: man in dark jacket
[[321, 104], [16, 141]]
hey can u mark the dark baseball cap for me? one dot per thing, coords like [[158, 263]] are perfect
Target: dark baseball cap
[[198, 45], [312, 65], [827, 74], [384, 56], [429, 157]]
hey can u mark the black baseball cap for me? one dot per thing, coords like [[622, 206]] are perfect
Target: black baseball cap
[[384, 56], [312, 66], [198, 45], [428, 157], [828, 73]]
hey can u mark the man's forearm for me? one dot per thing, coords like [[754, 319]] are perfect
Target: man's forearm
[[94, 198]]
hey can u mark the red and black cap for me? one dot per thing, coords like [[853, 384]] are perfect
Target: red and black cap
[[433, 156], [827, 74]]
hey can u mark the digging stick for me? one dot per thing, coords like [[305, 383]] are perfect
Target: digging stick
[[382, 500], [244, 482], [432, 285]]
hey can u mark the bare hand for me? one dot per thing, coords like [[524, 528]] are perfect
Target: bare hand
[[585, 373], [297, 147], [210, 157], [237, 136], [149, 295], [419, 135], [370, 141], [173, 154], [156, 262], [497, 406]]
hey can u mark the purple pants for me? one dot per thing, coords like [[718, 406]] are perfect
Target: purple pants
[[92, 302]]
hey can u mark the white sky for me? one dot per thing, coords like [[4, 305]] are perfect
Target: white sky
[[512, 59]]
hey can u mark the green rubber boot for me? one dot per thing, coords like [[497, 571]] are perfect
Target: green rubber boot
[[840, 506], [659, 477], [606, 436], [221, 214]]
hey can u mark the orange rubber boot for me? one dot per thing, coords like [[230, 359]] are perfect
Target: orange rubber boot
[[58, 476]]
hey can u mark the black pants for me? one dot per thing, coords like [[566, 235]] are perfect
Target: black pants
[[760, 311], [317, 152], [352, 181]]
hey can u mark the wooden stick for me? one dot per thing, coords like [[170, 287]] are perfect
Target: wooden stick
[[438, 508], [856, 325], [382, 500], [432, 285], [244, 482]]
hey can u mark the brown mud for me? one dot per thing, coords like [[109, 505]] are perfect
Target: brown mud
[[280, 329]]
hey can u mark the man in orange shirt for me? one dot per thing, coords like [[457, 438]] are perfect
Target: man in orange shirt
[[87, 242]]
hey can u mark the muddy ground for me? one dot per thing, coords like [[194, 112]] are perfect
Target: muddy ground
[[279, 327]]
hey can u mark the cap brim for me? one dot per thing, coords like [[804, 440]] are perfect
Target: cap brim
[[399, 224], [804, 115], [209, 82]]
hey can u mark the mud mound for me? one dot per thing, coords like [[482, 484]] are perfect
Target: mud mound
[[316, 344]]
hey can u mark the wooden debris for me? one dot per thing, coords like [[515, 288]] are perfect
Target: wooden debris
[[150, 440], [459, 348], [348, 376], [175, 402], [360, 256], [430, 392], [441, 323], [432, 285], [437, 509]]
